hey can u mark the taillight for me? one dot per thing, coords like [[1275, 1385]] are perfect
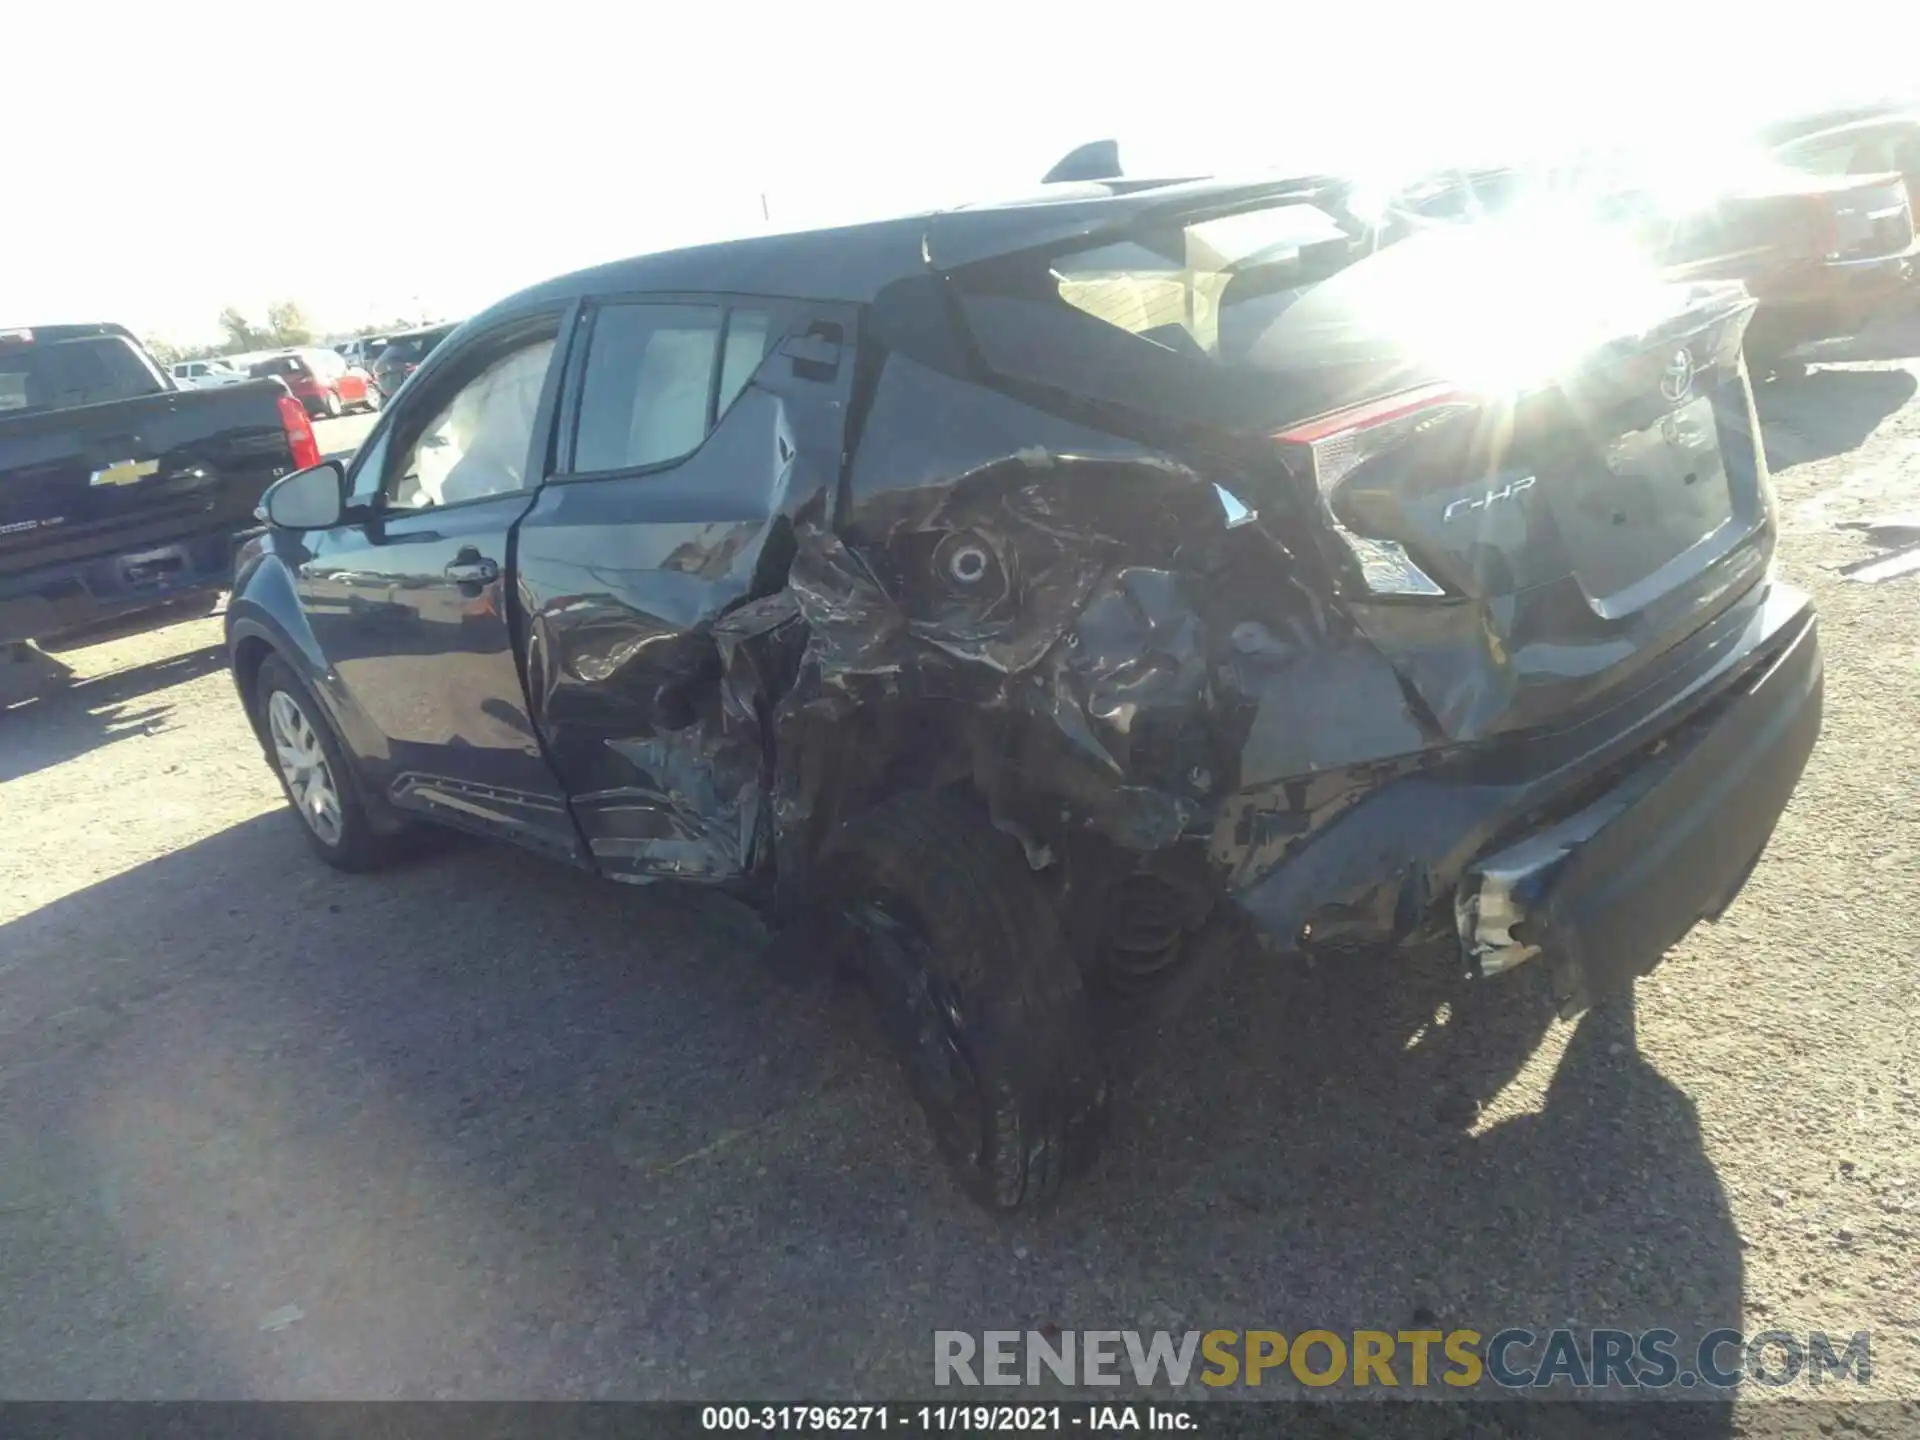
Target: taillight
[[298, 429], [1336, 445]]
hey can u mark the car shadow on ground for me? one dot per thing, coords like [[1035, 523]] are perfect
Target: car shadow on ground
[[51, 718], [1895, 337], [196, 606], [495, 1128], [1827, 412]]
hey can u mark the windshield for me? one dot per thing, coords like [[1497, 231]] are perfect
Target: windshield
[[60, 374]]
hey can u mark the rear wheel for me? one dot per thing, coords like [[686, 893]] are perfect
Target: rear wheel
[[978, 993], [372, 402], [332, 404], [314, 772]]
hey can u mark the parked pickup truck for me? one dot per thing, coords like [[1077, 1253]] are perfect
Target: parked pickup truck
[[117, 489]]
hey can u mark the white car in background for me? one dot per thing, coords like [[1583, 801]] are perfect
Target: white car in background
[[206, 374]]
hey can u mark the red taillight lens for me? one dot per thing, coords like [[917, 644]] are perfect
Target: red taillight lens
[[298, 429], [1338, 444]]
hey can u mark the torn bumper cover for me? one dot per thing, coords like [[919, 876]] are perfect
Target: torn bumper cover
[[1603, 844]]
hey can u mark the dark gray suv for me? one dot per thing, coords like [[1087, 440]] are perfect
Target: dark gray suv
[[1016, 601]]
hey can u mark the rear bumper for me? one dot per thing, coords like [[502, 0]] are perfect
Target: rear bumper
[[40, 604], [1595, 848], [1603, 894], [1832, 301]]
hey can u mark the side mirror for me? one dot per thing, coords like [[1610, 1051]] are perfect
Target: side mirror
[[310, 499]]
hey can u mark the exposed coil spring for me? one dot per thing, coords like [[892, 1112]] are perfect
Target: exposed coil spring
[[1145, 923]]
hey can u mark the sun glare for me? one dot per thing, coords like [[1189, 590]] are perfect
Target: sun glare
[[1526, 296]]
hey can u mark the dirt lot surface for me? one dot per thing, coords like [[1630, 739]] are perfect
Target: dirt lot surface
[[486, 1127]]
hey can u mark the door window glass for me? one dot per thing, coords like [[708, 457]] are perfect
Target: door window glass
[[648, 382], [747, 334], [477, 444], [651, 392]]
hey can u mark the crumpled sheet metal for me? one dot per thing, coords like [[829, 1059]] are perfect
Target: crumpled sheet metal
[[1125, 663], [1146, 660], [698, 811], [1002, 592]]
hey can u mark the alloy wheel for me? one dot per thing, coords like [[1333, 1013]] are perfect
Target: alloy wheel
[[310, 782]]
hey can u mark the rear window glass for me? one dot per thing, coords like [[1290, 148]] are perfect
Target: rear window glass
[[280, 365], [1168, 318], [414, 347], [59, 374], [1853, 152]]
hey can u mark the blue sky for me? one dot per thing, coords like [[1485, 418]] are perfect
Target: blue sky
[[188, 155]]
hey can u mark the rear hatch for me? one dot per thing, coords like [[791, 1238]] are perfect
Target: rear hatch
[[1525, 466]]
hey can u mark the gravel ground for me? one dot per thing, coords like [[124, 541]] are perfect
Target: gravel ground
[[484, 1127]]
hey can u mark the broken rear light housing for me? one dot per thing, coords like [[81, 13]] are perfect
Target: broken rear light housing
[[1333, 446]]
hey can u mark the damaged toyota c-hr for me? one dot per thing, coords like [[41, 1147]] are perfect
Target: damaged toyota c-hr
[[1030, 591]]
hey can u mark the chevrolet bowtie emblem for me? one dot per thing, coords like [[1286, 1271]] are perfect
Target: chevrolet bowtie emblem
[[124, 472]]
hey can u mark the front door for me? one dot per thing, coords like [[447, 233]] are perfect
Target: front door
[[410, 606]]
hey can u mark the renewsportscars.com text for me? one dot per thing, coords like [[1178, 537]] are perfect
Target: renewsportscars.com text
[[1413, 1359]]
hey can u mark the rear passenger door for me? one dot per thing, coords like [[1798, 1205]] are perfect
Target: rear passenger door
[[692, 431]]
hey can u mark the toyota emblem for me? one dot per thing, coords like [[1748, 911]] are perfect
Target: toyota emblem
[[1676, 381]]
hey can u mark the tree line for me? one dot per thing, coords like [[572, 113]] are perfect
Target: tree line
[[286, 325]]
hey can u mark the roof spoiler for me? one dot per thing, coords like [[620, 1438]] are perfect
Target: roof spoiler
[[1095, 160]]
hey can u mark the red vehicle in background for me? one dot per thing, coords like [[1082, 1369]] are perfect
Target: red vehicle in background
[[321, 381]]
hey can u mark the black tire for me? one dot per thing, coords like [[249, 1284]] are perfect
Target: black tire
[[332, 404], [978, 992], [359, 846]]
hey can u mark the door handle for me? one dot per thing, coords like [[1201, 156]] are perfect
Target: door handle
[[470, 569]]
